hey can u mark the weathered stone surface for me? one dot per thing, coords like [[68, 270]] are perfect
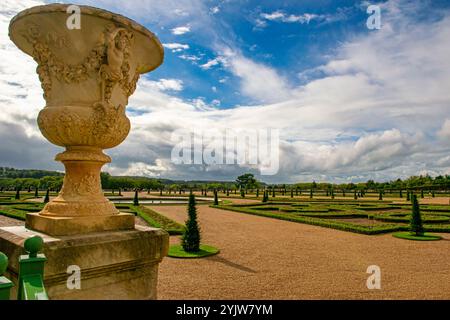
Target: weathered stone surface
[[87, 76], [114, 265], [66, 226]]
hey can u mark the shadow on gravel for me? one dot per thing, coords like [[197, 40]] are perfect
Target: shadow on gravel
[[231, 264]]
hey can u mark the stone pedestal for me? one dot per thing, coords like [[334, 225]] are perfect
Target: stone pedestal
[[114, 265], [87, 75]]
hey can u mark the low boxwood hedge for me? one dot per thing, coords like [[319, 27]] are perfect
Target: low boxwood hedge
[[157, 220], [343, 226]]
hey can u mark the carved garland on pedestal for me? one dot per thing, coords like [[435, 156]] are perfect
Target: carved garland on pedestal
[[109, 59]]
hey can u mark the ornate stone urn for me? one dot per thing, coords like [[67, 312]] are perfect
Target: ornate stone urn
[[87, 76]]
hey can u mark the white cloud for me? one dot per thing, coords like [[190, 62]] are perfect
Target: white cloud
[[290, 18], [181, 30], [141, 169], [167, 84], [215, 10], [181, 13], [445, 130], [372, 114], [176, 47], [258, 81], [192, 58], [213, 62]]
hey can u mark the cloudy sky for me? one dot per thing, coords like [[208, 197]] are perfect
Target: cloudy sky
[[351, 104]]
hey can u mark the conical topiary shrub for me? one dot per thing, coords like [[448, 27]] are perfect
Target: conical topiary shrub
[[416, 225], [264, 199], [47, 196], [136, 198], [191, 237], [216, 198]]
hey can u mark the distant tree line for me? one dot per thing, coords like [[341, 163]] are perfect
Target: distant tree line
[[13, 179]]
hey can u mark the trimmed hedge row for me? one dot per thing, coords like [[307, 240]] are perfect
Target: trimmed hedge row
[[405, 218], [378, 229], [378, 208], [14, 214], [157, 220]]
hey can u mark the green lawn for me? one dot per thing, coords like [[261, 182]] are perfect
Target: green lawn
[[177, 251], [409, 236]]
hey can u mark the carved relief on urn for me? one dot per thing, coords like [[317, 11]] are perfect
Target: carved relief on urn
[[87, 76]]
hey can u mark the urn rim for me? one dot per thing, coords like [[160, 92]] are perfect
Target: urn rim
[[96, 12]]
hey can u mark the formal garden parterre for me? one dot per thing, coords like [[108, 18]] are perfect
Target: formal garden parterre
[[359, 216]]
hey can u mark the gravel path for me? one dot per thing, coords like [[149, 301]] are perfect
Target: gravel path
[[263, 258], [9, 222]]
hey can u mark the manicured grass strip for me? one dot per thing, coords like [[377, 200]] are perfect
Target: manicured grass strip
[[176, 251], [437, 228], [343, 226], [405, 218], [157, 220], [28, 208], [14, 214], [409, 236], [378, 208]]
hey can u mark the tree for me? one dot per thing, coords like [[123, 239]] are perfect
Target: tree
[[246, 181], [416, 219], [242, 193], [257, 193], [355, 196], [380, 197], [36, 192], [191, 236], [408, 196], [401, 193], [136, 198], [311, 194], [422, 194], [292, 193]]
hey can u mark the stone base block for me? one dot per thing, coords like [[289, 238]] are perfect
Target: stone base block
[[58, 226], [118, 265]]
